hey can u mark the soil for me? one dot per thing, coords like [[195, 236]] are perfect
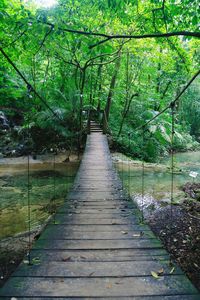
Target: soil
[[178, 227], [12, 252]]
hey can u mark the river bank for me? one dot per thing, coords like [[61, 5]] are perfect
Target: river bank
[[50, 178], [175, 221]]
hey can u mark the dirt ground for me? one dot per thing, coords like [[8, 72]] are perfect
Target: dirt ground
[[12, 252], [178, 227]]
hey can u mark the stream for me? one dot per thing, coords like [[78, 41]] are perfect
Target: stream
[[157, 179], [48, 187], [49, 184]]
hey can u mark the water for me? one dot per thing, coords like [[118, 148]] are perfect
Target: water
[[14, 187], [157, 179], [48, 189]]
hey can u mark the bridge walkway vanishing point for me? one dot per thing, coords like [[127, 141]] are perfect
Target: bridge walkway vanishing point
[[94, 249]]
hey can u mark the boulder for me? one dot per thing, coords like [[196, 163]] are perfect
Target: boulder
[[4, 123]]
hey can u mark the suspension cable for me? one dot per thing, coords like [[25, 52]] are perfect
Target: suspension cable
[[143, 173], [54, 175], [172, 170], [29, 86], [129, 170], [28, 190], [122, 166], [172, 103]]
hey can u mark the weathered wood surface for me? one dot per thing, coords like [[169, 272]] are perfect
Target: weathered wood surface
[[95, 247]]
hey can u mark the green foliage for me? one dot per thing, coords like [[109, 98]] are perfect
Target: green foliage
[[65, 71]]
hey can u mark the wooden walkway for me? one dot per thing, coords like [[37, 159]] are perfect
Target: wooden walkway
[[95, 249]]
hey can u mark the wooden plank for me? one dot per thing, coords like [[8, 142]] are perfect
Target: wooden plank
[[53, 233], [97, 244], [99, 255], [98, 210], [95, 269], [155, 297], [98, 287], [97, 228], [77, 219]]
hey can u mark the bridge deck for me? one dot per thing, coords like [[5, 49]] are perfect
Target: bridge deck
[[95, 249]]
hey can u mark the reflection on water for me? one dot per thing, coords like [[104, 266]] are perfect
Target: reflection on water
[[48, 189], [157, 179]]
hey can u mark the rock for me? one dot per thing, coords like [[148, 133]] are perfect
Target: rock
[[21, 149], [198, 196], [4, 123], [7, 140]]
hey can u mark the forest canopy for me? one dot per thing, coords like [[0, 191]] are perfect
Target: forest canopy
[[128, 58]]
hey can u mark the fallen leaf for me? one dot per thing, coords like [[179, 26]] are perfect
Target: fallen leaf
[[67, 258], [118, 282], [26, 262], [154, 274], [109, 286], [172, 270], [161, 271], [36, 261], [91, 274]]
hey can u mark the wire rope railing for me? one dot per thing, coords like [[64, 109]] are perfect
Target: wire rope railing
[[39, 180], [171, 190]]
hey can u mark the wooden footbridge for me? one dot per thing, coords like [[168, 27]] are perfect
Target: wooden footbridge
[[95, 247]]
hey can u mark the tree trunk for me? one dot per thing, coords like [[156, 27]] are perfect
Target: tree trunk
[[98, 86], [159, 73], [125, 112], [82, 84], [112, 86]]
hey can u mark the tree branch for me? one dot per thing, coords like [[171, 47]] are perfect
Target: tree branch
[[172, 103], [29, 86], [104, 63], [44, 39], [16, 39], [124, 36], [150, 35], [89, 62], [66, 61]]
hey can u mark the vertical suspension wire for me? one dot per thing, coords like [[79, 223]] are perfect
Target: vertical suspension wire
[[28, 184], [129, 170], [143, 173], [122, 166], [54, 174], [78, 144], [172, 173], [69, 174]]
